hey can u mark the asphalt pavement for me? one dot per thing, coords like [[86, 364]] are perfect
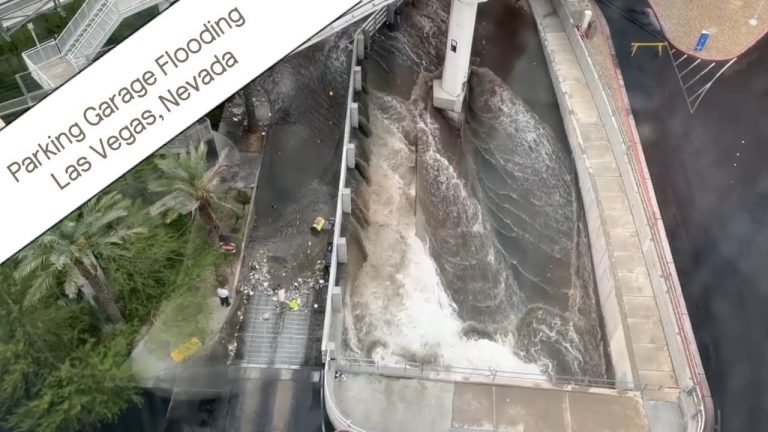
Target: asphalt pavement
[[710, 173]]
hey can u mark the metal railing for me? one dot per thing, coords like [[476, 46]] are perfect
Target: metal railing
[[366, 30], [41, 53], [331, 409], [642, 182], [103, 22], [82, 38], [351, 17], [489, 375], [32, 90], [199, 132], [129, 7], [78, 22]]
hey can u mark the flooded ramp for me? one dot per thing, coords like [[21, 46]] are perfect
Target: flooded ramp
[[467, 245]]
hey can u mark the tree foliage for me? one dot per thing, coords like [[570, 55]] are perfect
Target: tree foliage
[[68, 255], [158, 264], [93, 385], [61, 369], [189, 188]]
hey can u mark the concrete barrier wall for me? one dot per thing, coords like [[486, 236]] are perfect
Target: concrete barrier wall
[[333, 324], [399, 369], [650, 228]]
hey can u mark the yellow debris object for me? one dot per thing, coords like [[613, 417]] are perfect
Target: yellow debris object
[[186, 349], [294, 304], [319, 224]]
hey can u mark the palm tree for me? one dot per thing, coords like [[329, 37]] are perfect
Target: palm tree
[[190, 188], [68, 254]]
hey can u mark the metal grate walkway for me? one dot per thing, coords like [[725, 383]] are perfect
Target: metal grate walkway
[[275, 339]]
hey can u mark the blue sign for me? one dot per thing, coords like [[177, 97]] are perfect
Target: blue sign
[[703, 38]]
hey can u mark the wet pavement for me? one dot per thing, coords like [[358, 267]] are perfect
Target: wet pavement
[[710, 173]]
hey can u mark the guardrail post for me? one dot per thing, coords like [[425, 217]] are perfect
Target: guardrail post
[[351, 155], [354, 115], [336, 298], [360, 45], [341, 250], [346, 200], [358, 78]]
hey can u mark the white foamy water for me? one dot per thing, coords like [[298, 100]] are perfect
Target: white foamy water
[[398, 307]]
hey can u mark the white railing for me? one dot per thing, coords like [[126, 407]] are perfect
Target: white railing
[[77, 23], [93, 36], [406, 369], [37, 71], [129, 7], [83, 37], [327, 323], [41, 53], [333, 412], [366, 30], [351, 17], [194, 135]]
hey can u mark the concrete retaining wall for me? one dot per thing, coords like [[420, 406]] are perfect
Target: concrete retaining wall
[[661, 275], [333, 324]]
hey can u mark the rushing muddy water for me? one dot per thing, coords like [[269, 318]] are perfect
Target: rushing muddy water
[[468, 247]]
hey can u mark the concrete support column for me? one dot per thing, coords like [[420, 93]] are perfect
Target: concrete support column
[[351, 155], [448, 92], [392, 17], [341, 250], [358, 78], [391, 9], [336, 299], [360, 37], [346, 200], [354, 115]]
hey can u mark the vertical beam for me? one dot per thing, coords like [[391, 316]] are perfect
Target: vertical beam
[[351, 155], [346, 200], [450, 89], [336, 299], [360, 39], [341, 250], [358, 78], [392, 16], [458, 47], [354, 115]]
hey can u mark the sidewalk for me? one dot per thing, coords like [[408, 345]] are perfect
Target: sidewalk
[[151, 358], [399, 404], [660, 347]]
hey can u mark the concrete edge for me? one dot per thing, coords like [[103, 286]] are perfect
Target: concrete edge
[[333, 330], [645, 177], [666, 285]]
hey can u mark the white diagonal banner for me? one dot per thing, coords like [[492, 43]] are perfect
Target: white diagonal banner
[[138, 97]]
